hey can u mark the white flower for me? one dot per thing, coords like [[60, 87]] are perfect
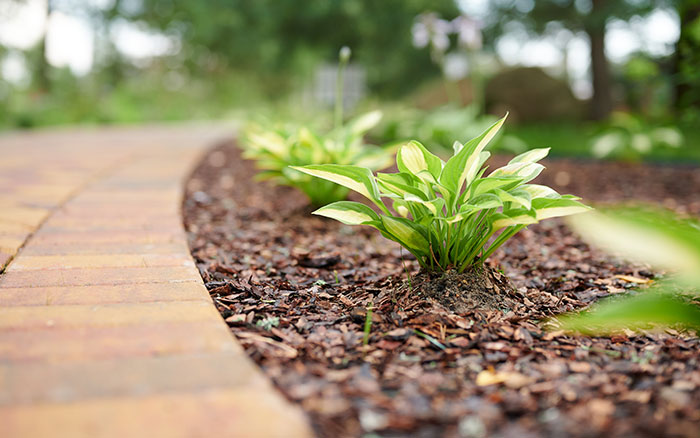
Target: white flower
[[421, 36], [468, 32], [456, 66]]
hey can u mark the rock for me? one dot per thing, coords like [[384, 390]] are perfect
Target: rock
[[531, 95]]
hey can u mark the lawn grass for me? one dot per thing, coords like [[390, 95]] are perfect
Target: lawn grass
[[569, 139]]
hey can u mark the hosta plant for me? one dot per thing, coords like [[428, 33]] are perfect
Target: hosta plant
[[277, 148], [447, 214]]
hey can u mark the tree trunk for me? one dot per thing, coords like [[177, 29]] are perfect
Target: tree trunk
[[43, 81], [687, 59], [601, 104]]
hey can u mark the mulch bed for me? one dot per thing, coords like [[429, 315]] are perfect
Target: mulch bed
[[295, 290]]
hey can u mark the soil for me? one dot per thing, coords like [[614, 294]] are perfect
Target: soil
[[481, 288], [299, 292]]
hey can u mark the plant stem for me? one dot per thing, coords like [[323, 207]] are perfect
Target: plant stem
[[339, 86]]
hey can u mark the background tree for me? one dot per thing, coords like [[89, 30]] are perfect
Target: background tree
[[588, 17], [274, 36], [687, 57]]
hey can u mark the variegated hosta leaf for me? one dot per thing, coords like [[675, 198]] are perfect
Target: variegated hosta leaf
[[539, 191], [464, 165], [531, 156], [348, 212], [513, 217], [358, 179], [521, 198], [414, 158], [526, 171], [402, 183], [401, 208], [435, 205], [484, 185], [548, 208], [406, 233], [483, 202]]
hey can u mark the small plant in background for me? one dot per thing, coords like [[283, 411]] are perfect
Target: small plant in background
[[652, 236], [438, 128], [448, 215], [276, 148], [628, 137]]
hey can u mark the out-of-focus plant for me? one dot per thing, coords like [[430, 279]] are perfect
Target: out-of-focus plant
[[277, 148], [652, 236], [448, 215], [438, 128], [628, 137]]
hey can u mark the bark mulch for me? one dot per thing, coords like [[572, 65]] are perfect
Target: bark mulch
[[296, 290]]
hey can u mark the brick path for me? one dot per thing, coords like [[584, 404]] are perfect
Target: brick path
[[106, 329]]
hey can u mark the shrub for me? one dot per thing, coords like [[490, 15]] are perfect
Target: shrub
[[447, 214]]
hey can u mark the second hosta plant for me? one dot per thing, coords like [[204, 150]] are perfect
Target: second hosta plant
[[448, 214]]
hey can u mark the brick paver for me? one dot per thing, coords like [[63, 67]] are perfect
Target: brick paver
[[106, 329]]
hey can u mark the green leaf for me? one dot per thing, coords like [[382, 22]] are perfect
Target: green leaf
[[414, 158], [483, 202], [358, 179], [546, 208], [519, 216], [526, 171], [364, 122], [349, 213], [401, 183], [464, 165], [539, 191], [654, 307], [531, 156], [484, 185], [406, 233], [435, 205], [647, 236], [521, 198]]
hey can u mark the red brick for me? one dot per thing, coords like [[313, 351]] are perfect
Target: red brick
[[107, 315], [80, 344], [28, 263], [104, 294], [98, 276], [245, 412], [30, 382]]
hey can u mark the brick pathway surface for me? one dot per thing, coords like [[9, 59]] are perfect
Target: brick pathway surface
[[106, 329]]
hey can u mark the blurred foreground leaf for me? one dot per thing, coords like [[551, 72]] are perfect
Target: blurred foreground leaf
[[653, 236], [646, 310]]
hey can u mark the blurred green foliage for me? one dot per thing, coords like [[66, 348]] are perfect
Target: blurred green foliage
[[284, 37], [645, 235]]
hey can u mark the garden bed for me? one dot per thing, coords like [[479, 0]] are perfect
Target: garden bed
[[295, 290]]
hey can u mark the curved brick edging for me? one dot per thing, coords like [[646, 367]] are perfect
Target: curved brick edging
[[105, 326]]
